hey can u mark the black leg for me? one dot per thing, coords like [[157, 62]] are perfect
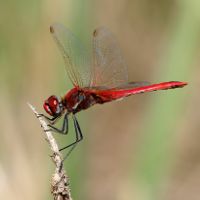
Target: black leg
[[50, 120], [79, 136], [64, 129]]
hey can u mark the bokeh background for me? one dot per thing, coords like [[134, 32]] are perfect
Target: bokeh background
[[145, 147]]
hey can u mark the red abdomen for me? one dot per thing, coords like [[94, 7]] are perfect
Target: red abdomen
[[117, 93]]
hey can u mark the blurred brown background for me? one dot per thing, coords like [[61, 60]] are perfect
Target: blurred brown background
[[145, 147]]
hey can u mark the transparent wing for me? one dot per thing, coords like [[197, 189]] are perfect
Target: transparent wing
[[109, 69], [132, 85], [124, 86], [76, 57]]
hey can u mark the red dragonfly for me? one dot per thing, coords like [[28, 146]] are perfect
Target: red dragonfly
[[98, 80]]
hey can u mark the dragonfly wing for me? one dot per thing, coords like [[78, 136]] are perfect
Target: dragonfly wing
[[133, 84], [129, 85], [76, 57], [109, 69]]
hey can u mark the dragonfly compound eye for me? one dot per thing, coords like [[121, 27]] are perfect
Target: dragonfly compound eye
[[51, 106]]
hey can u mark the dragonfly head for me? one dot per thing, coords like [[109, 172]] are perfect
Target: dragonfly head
[[53, 106]]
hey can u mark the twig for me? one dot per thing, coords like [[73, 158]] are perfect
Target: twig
[[60, 181]]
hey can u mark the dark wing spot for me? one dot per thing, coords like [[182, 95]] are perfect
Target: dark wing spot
[[95, 33], [51, 29]]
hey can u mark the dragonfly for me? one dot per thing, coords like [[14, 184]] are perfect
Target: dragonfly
[[98, 76]]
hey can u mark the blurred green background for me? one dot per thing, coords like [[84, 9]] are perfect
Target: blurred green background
[[145, 147]]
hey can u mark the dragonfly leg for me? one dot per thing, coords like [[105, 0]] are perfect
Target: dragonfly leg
[[79, 137], [50, 120], [64, 129]]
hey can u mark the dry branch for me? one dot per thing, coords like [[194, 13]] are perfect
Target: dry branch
[[60, 181]]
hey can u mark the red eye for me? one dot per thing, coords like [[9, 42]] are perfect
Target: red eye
[[53, 101], [47, 108], [51, 105]]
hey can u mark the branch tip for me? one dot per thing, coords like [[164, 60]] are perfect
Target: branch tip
[[60, 181]]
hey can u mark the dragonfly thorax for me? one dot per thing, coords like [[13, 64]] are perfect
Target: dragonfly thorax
[[78, 99]]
